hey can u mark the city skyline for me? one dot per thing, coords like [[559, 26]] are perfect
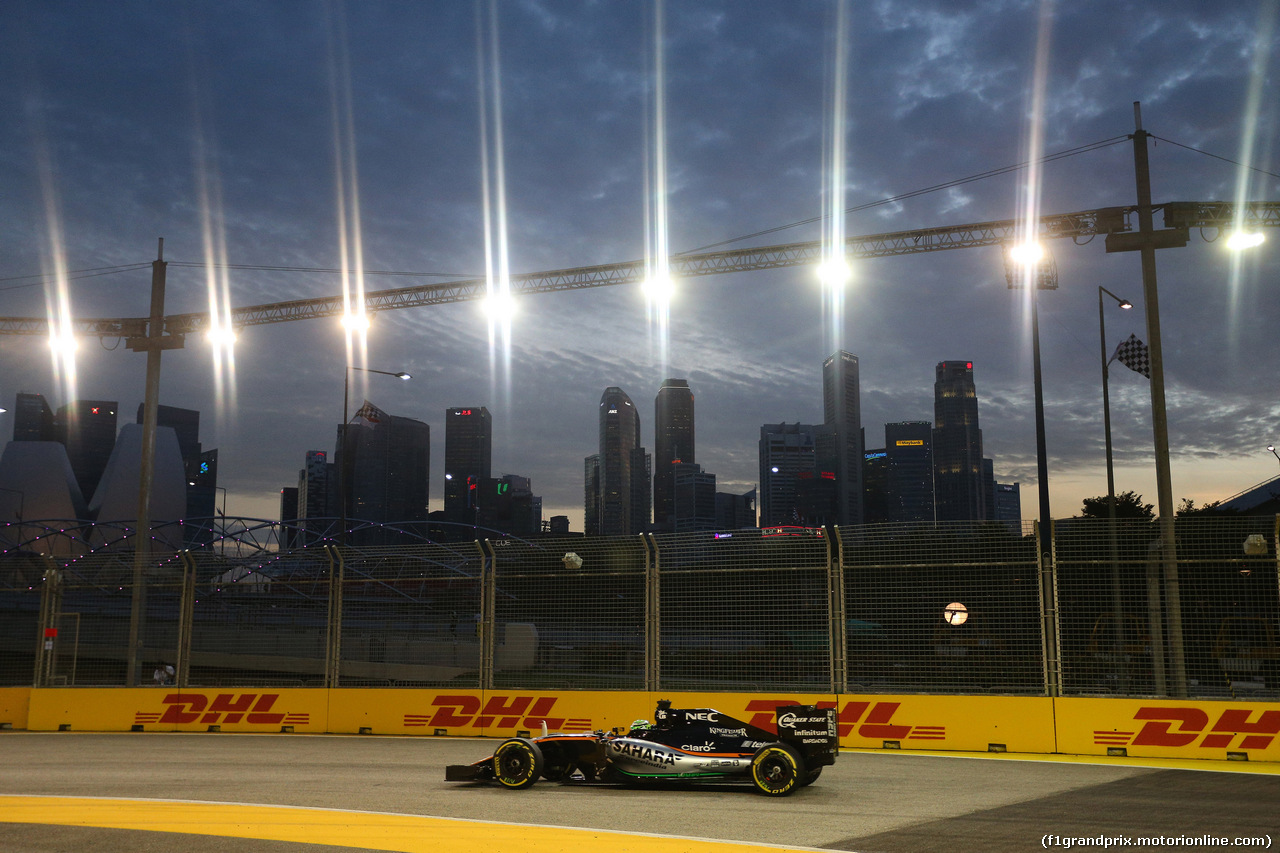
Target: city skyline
[[250, 173]]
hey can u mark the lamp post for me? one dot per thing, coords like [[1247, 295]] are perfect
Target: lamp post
[[21, 501], [344, 460], [223, 489], [1029, 265], [1117, 599]]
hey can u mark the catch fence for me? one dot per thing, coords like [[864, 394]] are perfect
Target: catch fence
[[940, 608]]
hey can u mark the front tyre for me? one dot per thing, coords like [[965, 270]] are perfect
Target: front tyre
[[777, 770], [517, 763]]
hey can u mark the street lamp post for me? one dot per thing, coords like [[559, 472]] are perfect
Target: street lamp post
[[344, 450], [223, 489], [1272, 448], [1028, 265], [1117, 599]]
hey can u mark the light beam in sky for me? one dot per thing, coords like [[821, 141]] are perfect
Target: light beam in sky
[[833, 271], [659, 288], [221, 336], [1246, 177], [499, 302], [347, 203]]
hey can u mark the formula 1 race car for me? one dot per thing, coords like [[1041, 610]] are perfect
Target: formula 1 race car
[[698, 743]]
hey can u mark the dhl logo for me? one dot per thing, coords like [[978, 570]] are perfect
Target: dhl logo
[[1183, 726], [505, 712], [229, 708], [872, 720]]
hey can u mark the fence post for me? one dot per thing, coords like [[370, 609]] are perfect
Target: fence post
[[1155, 619], [836, 611], [488, 626], [50, 608], [1050, 628], [186, 617], [652, 614], [333, 646]]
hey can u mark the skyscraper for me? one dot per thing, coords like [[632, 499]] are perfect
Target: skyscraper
[[591, 495], [908, 449], [694, 498], [317, 494], [88, 429], [842, 410], [672, 444], [787, 451], [621, 497], [468, 455], [32, 419], [389, 466], [957, 445]]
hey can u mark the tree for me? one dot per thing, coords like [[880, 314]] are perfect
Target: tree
[[1188, 507], [1128, 505]]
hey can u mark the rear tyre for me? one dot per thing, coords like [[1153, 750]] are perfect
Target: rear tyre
[[517, 763], [777, 770]]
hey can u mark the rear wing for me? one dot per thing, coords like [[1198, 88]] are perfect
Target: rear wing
[[812, 731]]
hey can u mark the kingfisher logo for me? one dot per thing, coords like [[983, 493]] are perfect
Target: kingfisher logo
[[256, 709], [1162, 726], [501, 711], [871, 720]]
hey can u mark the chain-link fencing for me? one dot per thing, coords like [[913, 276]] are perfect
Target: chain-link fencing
[[941, 608]]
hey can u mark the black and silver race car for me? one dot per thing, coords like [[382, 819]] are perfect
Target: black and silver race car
[[683, 744]]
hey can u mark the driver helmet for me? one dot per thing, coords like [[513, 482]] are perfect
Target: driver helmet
[[641, 726]]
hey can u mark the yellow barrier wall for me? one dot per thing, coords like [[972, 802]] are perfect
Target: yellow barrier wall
[[14, 705], [1168, 728], [1158, 728], [167, 709]]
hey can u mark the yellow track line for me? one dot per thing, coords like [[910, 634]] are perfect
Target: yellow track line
[[372, 830]]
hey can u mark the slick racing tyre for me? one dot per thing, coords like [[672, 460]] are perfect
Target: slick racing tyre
[[517, 763], [777, 770]]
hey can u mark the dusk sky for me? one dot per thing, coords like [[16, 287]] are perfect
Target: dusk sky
[[126, 122]]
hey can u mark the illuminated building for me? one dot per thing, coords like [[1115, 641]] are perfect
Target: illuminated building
[[389, 459], [468, 453], [673, 444], [88, 430], [33, 419], [842, 411], [794, 486], [958, 481], [620, 492], [908, 450]]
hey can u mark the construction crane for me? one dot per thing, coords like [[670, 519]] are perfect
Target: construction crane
[[1113, 223]]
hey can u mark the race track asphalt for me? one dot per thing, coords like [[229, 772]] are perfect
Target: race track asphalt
[[147, 792]]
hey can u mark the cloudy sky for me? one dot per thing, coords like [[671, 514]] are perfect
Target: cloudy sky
[[129, 121]]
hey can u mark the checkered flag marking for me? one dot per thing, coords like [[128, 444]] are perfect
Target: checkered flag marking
[[1133, 354]]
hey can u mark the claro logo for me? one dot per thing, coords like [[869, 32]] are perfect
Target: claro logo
[[225, 708], [871, 720], [1190, 726], [501, 711]]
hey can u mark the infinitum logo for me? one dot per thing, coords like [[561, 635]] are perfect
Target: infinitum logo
[[872, 720]]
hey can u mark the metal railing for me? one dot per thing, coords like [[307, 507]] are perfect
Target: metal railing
[[941, 608]]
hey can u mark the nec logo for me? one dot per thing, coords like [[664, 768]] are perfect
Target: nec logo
[[877, 724], [506, 712], [229, 708], [1183, 726]]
